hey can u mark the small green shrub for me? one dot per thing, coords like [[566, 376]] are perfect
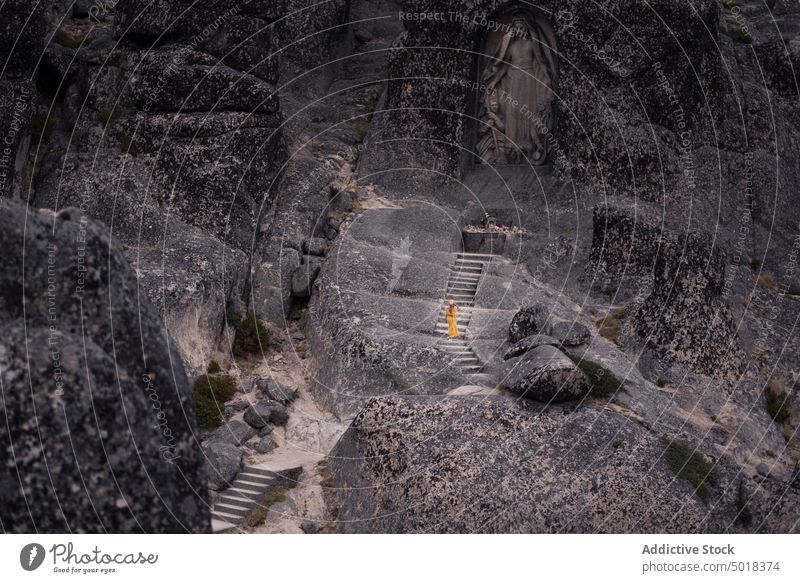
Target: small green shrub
[[41, 128], [231, 316], [776, 400], [213, 367], [258, 517], [739, 34], [250, 336], [109, 114], [65, 39], [361, 127], [690, 465], [616, 444], [604, 383], [127, 145], [210, 394], [609, 292], [743, 514], [609, 328], [660, 383], [766, 281], [728, 4]]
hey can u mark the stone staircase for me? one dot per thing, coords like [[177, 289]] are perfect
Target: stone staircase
[[462, 285], [236, 503]]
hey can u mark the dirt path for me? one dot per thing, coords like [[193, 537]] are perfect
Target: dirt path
[[304, 441]]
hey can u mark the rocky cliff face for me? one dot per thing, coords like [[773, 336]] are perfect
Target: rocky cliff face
[[100, 434]]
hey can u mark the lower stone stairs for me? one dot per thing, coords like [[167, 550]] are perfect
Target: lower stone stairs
[[462, 285], [235, 504]]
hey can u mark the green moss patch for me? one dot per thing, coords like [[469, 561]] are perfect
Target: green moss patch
[[604, 382], [690, 465], [251, 336], [777, 402], [258, 517]]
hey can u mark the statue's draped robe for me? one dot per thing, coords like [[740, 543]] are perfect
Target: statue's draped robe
[[520, 72], [452, 328]]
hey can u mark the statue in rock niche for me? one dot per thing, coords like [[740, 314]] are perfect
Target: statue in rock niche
[[517, 113]]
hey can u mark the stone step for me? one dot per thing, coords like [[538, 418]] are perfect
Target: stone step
[[259, 471], [225, 516], [250, 483], [253, 483], [218, 525], [252, 473], [462, 287], [248, 494], [234, 510], [466, 276], [488, 256], [233, 499]]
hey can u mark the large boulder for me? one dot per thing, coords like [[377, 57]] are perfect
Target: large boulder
[[272, 286], [234, 432], [263, 413], [570, 333], [529, 343], [492, 465], [680, 310], [224, 463], [99, 409], [546, 374], [526, 322], [303, 280], [276, 391], [372, 318]]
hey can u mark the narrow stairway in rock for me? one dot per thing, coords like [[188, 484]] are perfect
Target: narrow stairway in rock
[[462, 285], [235, 504]]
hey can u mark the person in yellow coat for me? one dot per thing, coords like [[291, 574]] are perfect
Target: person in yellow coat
[[451, 311]]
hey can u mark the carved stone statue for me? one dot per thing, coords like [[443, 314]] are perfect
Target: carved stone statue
[[517, 113]]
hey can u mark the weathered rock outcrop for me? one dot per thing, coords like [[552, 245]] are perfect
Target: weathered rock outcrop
[[529, 343], [89, 378], [601, 134], [546, 374], [425, 464], [170, 134], [679, 310], [526, 322], [22, 38], [373, 314]]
